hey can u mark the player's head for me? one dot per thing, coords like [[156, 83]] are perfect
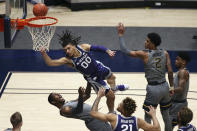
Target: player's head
[[16, 120], [69, 42], [185, 116], [182, 59], [56, 99], [152, 39], [127, 107]]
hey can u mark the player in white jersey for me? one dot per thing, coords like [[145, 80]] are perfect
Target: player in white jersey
[[16, 121], [78, 110], [181, 86], [125, 121], [156, 62], [79, 58], [185, 116]]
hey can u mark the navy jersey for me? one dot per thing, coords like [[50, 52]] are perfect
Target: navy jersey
[[84, 63], [89, 67], [126, 123], [189, 127]]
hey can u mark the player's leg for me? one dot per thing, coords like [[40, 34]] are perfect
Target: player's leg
[[112, 82], [165, 104], [173, 116], [152, 98], [166, 118], [147, 117], [109, 93], [173, 111], [97, 125], [106, 74], [110, 100]]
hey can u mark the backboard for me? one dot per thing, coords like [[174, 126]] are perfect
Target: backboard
[[13, 9]]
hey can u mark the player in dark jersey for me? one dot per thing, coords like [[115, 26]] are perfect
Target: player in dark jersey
[[156, 62], [79, 58], [185, 116], [78, 110], [181, 86], [126, 121]]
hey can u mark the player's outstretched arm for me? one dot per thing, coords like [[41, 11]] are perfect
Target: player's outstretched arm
[[87, 93], [140, 54], [99, 48], [56, 62], [170, 73], [79, 107], [67, 110], [101, 116], [149, 127]]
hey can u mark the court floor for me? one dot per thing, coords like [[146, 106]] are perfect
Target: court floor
[[27, 92]]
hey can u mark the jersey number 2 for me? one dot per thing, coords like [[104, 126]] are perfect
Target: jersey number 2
[[85, 63], [125, 127], [158, 62]]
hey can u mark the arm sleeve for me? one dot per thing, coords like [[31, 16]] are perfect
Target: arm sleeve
[[79, 107], [98, 48], [123, 47]]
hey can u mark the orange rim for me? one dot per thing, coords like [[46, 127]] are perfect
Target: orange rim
[[38, 18], [20, 23]]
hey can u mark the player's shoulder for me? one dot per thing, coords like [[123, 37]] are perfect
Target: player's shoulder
[[183, 72], [65, 60], [65, 111], [111, 116], [84, 46]]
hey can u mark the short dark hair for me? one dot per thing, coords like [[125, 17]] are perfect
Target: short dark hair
[[185, 56], [185, 116], [129, 106], [50, 98], [16, 119], [154, 38], [67, 37]]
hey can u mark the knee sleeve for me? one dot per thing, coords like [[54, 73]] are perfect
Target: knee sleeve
[[174, 122], [165, 106]]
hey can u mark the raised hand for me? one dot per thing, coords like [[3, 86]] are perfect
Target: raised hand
[[152, 111], [42, 50], [81, 91], [121, 29], [111, 53]]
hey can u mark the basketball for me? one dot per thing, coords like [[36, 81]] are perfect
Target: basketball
[[40, 9]]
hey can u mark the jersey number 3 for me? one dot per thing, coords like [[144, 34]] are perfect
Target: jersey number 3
[[125, 127], [86, 62]]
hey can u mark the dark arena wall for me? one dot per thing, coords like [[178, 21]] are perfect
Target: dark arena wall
[[76, 5], [29, 60], [21, 57]]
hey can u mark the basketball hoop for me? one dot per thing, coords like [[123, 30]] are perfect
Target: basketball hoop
[[41, 29]]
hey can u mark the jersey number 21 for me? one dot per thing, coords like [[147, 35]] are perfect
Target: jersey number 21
[[125, 127]]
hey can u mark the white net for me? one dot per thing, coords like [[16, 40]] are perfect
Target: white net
[[42, 36]]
